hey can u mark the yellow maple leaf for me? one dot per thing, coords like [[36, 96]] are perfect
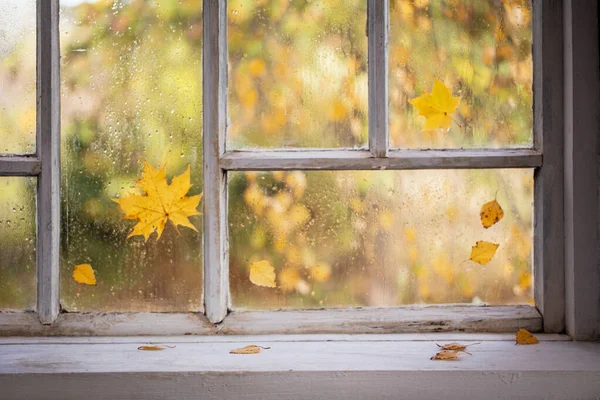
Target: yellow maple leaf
[[162, 202], [436, 106], [483, 252], [262, 273], [526, 337], [84, 274], [250, 349], [491, 212]]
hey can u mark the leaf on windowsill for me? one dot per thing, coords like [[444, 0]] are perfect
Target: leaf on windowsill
[[262, 273], [436, 106], [162, 202], [457, 347], [155, 347], [446, 355], [483, 252], [525, 337], [250, 349], [491, 213], [84, 274]]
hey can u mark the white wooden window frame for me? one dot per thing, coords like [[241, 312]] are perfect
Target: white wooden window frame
[[565, 220]]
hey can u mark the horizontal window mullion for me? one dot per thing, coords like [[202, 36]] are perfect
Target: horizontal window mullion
[[363, 160], [20, 166]]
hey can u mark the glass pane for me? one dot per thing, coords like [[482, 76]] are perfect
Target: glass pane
[[380, 238], [481, 51], [297, 73], [17, 235], [131, 91], [17, 76]]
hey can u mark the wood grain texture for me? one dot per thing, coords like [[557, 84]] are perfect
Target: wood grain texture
[[355, 321], [378, 26], [19, 166], [364, 160], [384, 320], [249, 339], [299, 370], [216, 260], [581, 152], [48, 152], [548, 250], [106, 324]]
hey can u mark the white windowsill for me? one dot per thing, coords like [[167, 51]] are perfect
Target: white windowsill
[[297, 366]]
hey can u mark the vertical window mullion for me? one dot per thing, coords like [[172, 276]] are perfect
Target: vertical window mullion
[[378, 33], [48, 151], [216, 260], [549, 272]]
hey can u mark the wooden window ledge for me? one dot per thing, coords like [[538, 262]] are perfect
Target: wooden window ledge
[[311, 367]]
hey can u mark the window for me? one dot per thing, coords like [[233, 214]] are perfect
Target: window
[[319, 165]]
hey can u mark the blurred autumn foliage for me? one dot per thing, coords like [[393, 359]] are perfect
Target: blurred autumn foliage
[[131, 91]]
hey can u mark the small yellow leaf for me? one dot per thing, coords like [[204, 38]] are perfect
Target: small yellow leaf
[[84, 274], [251, 349], [483, 252], [446, 355], [526, 337], [262, 273], [436, 106], [155, 347], [491, 212]]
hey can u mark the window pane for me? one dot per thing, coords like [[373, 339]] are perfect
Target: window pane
[[379, 238], [298, 73], [17, 235], [131, 90], [17, 76], [481, 51]]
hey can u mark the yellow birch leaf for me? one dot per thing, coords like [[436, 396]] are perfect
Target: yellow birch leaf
[[456, 346], [250, 349], [161, 203], [262, 273], [155, 347], [483, 252], [436, 106], [84, 274], [446, 355], [526, 337], [491, 212]]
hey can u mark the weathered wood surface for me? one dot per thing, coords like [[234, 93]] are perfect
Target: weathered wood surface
[[364, 160], [581, 151], [19, 166], [300, 370], [216, 260], [48, 151], [354, 321], [378, 26], [106, 324], [549, 272], [385, 320]]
